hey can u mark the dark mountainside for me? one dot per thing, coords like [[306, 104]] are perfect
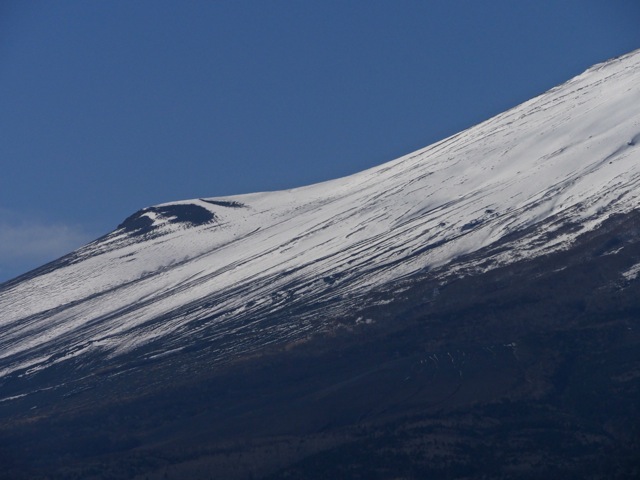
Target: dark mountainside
[[527, 371], [496, 363]]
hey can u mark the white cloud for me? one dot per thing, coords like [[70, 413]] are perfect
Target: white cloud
[[29, 240], [26, 243]]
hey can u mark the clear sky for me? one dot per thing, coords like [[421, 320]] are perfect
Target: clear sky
[[110, 106]]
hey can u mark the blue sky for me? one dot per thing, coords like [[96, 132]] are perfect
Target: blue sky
[[111, 106]]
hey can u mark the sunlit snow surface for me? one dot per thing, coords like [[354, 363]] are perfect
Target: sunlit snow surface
[[571, 155]]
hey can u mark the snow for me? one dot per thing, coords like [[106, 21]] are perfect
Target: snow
[[632, 273], [569, 155]]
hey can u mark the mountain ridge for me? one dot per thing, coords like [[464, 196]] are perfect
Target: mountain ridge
[[521, 169]]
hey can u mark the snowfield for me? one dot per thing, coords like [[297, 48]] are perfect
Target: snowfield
[[212, 268]]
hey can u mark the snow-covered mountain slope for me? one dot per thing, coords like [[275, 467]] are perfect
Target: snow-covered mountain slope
[[524, 183]]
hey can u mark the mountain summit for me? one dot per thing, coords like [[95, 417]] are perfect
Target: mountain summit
[[451, 290]]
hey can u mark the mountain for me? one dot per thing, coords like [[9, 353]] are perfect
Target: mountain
[[469, 310]]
